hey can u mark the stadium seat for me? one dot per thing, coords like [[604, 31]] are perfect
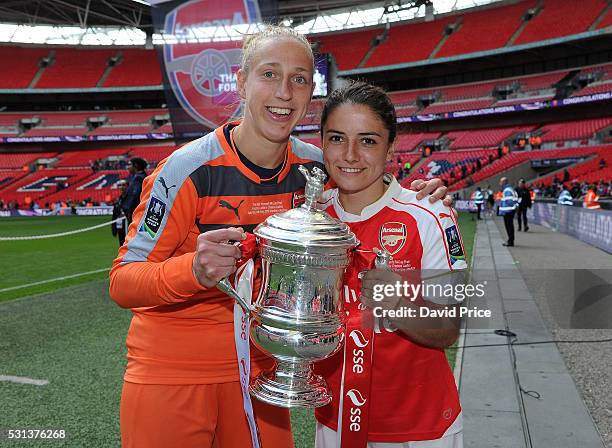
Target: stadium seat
[[561, 18]]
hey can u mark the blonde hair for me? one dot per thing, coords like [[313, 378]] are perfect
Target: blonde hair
[[252, 42]]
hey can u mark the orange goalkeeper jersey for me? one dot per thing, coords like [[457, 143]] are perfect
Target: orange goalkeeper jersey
[[181, 332]]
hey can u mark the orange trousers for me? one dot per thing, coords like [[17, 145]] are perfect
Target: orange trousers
[[197, 416]]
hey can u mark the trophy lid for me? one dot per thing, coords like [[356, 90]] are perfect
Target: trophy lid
[[305, 225]]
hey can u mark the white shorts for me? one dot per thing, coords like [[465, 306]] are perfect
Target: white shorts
[[453, 438]]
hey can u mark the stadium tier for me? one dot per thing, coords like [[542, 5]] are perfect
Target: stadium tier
[[483, 138], [439, 108], [348, 49], [77, 175], [558, 18], [23, 67], [80, 159], [588, 171], [152, 154], [407, 43], [516, 158], [44, 68], [574, 130], [451, 34], [606, 21], [450, 166], [76, 123], [18, 160], [409, 142], [67, 68], [40, 184], [498, 24], [135, 67], [101, 186]]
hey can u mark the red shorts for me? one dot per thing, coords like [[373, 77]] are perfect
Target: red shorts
[[198, 416]]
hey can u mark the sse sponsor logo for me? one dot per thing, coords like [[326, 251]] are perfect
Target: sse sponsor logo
[[360, 341], [355, 418]]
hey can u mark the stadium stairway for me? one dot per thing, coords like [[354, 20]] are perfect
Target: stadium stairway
[[536, 9], [514, 396]]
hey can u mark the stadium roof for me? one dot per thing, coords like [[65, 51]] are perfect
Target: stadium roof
[[127, 22], [133, 13]]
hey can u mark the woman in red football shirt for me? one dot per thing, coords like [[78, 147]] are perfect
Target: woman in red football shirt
[[392, 385]]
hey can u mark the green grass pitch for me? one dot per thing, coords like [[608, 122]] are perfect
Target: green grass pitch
[[71, 334]]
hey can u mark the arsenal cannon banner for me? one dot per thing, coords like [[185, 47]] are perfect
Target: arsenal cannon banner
[[200, 56]]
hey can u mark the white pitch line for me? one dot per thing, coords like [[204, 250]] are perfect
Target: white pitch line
[[57, 279], [23, 380]]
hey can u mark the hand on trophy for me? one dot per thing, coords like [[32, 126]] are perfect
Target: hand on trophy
[[215, 256], [433, 187], [373, 289]]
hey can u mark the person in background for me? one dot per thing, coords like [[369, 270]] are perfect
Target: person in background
[[565, 198], [478, 199], [507, 208], [591, 199], [490, 200], [119, 226], [136, 168], [524, 203]]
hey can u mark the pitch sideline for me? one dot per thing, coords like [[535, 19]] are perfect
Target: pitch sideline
[[57, 279]]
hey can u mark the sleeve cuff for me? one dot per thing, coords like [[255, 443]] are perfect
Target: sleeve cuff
[[179, 270]]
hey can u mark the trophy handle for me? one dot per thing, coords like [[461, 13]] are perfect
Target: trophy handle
[[248, 249]]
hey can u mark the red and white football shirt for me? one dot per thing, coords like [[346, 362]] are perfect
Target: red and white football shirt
[[413, 392]]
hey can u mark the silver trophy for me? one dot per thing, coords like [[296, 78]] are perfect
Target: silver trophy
[[296, 316]]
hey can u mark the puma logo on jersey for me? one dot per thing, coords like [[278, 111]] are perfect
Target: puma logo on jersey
[[444, 215], [229, 206], [162, 181]]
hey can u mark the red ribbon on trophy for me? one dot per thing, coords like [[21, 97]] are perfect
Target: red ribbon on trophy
[[353, 417]]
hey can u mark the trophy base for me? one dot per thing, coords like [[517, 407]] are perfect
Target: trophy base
[[291, 385]]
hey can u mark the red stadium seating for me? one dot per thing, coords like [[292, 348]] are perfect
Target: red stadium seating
[[595, 88], [18, 160], [84, 158], [409, 142], [523, 99], [607, 20], [446, 165], [152, 154], [412, 42], [8, 177], [516, 158], [483, 138], [34, 186], [75, 67], [137, 68], [406, 111], [465, 91], [56, 132], [348, 48], [582, 171], [23, 66], [438, 108], [97, 187], [561, 18], [574, 130], [486, 29], [538, 82], [74, 123]]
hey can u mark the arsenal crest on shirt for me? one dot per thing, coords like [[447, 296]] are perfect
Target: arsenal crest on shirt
[[392, 236]]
